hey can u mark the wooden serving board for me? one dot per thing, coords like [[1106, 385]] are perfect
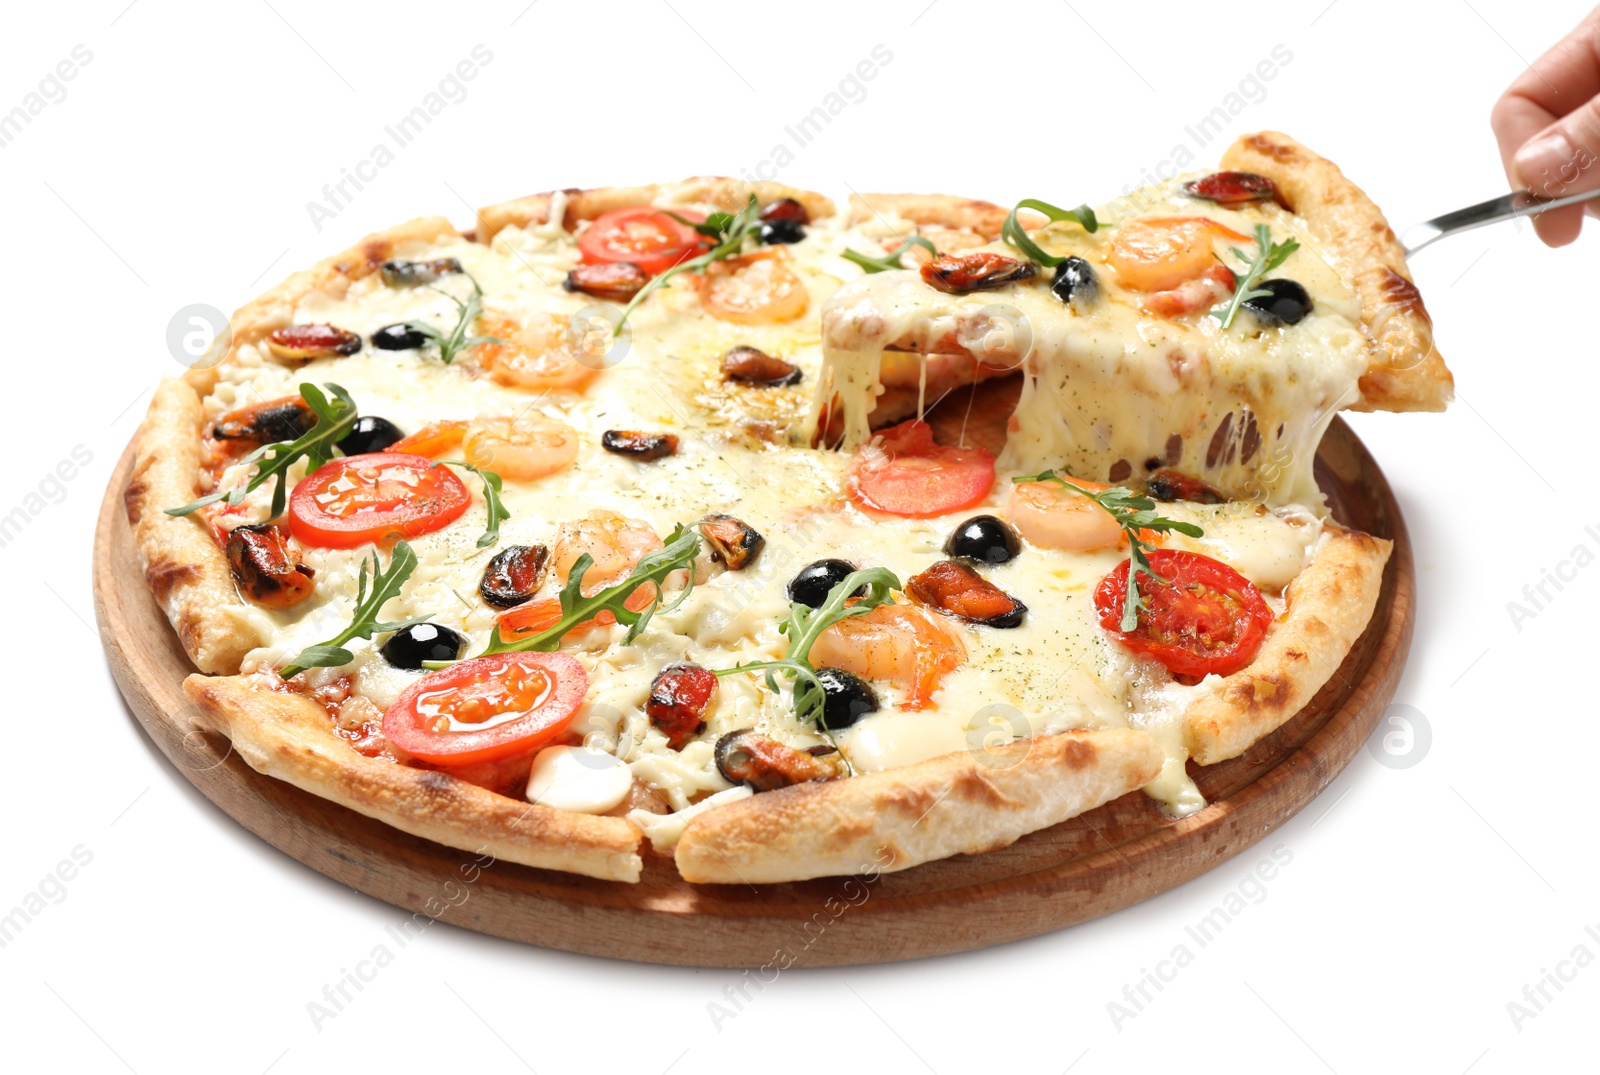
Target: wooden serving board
[[1117, 855]]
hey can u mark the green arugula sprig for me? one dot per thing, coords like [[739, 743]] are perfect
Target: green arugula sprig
[[803, 627], [679, 552], [1269, 255], [386, 583], [491, 499], [452, 343], [335, 419], [1012, 231], [727, 230], [891, 260], [1133, 513]]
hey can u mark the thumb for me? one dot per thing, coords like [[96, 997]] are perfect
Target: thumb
[[1561, 158]]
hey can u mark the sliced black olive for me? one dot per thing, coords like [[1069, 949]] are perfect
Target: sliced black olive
[[636, 445], [370, 434], [812, 583], [782, 231], [1075, 279], [846, 698], [986, 539], [513, 575], [266, 423], [747, 757], [399, 273], [733, 542], [1285, 304], [401, 337], [410, 646], [751, 366]]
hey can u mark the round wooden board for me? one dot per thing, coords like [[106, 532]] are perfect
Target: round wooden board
[[1110, 858]]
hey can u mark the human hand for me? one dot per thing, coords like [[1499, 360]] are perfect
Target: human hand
[[1548, 125]]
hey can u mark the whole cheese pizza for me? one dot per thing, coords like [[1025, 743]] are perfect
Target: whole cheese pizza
[[622, 525]]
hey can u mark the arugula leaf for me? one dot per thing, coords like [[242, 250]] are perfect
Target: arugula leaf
[[386, 583], [1133, 513], [452, 343], [491, 499], [803, 627], [1012, 231], [679, 552], [891, 260], [335, 419], [1269, 255], [729, 230]]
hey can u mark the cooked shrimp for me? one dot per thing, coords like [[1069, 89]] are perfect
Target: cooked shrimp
[[615, 542], [756, 289], [1160, 253], [540, 353], [900, 643], [1056, 518], [522, 448]]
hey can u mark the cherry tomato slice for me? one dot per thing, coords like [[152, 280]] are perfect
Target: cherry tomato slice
[[1204, 619], [382, 496], [641, 234], [487, 709], [903, 472]]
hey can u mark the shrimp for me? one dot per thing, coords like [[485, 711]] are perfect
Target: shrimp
[[1056, 518], [1161, 253], [900, 643], [522, 448], [540, 353], [615, 542]]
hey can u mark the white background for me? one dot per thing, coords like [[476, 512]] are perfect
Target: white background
[[1418, 902]]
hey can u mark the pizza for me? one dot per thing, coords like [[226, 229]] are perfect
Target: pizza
[[710, 525]]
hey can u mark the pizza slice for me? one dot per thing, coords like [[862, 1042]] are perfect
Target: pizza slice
[[613, 529]]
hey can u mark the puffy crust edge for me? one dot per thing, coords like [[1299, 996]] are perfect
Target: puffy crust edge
[[1404, 370], [1329, 605], [183, 566], [290, 738], [932, 210], [898, 818], [729, 195]]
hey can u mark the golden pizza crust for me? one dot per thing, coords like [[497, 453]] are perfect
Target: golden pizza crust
[[1404, 371], [729, 195], [186, 570], [291, 738], [1329, 606], [963, 803]]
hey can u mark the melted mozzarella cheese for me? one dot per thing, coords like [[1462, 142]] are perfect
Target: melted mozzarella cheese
[[1055, 672], [578, 778]]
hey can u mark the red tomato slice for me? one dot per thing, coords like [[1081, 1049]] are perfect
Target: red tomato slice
[[903, 472], [641, 234], [487, 709], [381, 496], [1204, 618]]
